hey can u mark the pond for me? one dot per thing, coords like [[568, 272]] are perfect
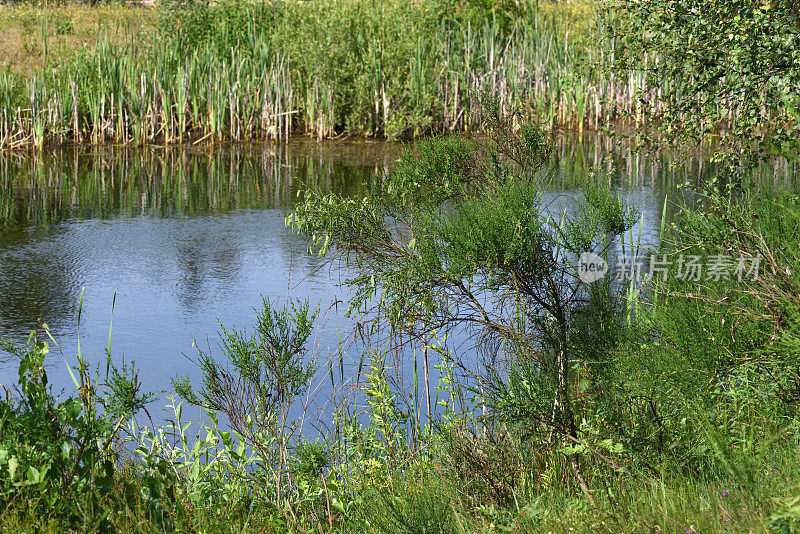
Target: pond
[[177, 241]]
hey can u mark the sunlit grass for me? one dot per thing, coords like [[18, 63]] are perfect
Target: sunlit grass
[[28, 29]]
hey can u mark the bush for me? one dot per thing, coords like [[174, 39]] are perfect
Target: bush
[[58, 457], [457, 236]]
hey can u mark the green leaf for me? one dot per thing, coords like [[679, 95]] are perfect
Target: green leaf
[[66, 449], [33, 476], [13, 463]]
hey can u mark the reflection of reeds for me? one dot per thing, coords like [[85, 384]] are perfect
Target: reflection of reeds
[[261, 70], [70, 183], [164, 183]]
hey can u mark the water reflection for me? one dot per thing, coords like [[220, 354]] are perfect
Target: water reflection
[[187, 237], [183, 237], [36, 278], [170, 182]]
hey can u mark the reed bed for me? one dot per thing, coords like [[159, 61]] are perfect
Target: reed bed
[[264, 71]]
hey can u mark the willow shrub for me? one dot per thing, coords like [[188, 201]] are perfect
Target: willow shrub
[[458, 236], [264, 377]]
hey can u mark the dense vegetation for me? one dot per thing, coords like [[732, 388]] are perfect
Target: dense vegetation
[[666, 403], [739, 61], [264, 70], [234, 70]]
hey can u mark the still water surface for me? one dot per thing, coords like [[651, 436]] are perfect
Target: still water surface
[[188, 239]]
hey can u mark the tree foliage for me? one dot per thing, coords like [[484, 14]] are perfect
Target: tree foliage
[[730, 67]]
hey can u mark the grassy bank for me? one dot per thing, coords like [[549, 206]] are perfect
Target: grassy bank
[[190, 71], [267, 70], [38, 37]]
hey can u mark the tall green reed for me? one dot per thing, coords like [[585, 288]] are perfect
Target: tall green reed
[[261, 71]]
